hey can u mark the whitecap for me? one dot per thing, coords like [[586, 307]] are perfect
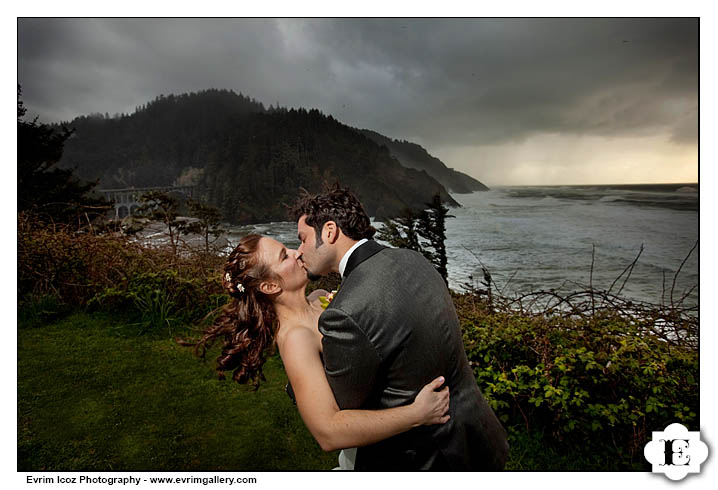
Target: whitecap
[[549, 200], [610, 198]]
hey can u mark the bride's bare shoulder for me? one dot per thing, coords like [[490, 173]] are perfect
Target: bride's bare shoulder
[[296, 339]]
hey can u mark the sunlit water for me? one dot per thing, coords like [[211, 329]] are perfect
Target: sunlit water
[[540, 238]]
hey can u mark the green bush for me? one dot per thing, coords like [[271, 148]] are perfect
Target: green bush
[[601, 377], [114, 273], [162, 299], [72, 265]]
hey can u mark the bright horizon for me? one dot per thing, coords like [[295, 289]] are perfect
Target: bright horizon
[[594, 185]]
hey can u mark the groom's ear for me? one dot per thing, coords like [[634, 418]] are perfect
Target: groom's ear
[[330, 232]]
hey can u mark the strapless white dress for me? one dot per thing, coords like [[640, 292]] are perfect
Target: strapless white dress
[[346, 459]]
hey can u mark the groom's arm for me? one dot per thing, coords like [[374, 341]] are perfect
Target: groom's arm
[[350, 361]]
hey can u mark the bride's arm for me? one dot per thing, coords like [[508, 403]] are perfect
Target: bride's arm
[[337, 429]]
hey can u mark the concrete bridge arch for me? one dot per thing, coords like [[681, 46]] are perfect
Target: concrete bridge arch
[[127, 200]]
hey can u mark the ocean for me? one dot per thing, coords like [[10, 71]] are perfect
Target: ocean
[[537, 238]]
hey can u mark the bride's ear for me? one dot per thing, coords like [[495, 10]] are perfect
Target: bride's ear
[[269, 287]]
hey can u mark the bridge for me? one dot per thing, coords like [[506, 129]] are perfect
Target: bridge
[[127, 200]]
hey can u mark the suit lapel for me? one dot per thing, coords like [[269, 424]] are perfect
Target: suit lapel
[[362, 253]]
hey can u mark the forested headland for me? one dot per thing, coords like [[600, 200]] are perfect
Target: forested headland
[[414, 156], [250, 161]]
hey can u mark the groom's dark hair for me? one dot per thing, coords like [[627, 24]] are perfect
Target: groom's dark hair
[[336, 204]]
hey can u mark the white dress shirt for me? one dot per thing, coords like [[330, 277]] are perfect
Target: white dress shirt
[[345, 259]]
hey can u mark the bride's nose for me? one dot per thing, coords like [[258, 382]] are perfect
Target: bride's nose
[[293, 253]]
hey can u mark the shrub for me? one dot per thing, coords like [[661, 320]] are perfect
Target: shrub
[[162, 298], [71, 265], [113, 272], [579, 378]]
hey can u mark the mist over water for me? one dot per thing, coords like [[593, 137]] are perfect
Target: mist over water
[[540, 238]]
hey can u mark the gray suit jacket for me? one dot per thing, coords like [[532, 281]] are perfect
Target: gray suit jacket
[[391, 329]]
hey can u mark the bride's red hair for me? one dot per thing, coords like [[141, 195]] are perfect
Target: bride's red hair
[[248, 323]]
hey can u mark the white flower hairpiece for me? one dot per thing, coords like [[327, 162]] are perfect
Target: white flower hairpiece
[[228, 278]]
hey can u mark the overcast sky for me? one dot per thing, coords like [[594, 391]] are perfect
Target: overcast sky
[[508, 101]]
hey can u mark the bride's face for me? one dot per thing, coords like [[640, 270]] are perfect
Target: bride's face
[[284, 262]]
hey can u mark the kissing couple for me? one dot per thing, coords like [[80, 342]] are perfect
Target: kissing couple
[[383, 368]]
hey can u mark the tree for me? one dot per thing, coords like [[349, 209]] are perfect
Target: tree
[[50, 192], [208, 221], [161, 206], [401, 231], [407, 231], [432, 226]]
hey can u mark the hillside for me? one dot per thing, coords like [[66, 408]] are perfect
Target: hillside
[[160, 140], [269, 157], [412, 155], [248, 161]]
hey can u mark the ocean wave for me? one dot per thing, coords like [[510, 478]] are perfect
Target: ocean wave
[[687, 190], [677, 205], [611, 198], [550, 200]]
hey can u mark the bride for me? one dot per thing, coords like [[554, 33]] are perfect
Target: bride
[[267, 283]]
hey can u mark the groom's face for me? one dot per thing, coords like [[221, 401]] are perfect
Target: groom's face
[[316, 259]]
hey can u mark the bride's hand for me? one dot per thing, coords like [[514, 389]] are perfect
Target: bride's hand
[[432, 407]]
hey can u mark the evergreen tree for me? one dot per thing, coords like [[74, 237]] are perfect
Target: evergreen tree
[[407, 231], [401, 231], [208, 221], [432, 226], [163, 207], [50, 192]]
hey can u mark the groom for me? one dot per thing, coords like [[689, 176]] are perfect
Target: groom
[[390, 329]]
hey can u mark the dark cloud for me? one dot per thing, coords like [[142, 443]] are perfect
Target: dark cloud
[[441, 82], [506, 78]]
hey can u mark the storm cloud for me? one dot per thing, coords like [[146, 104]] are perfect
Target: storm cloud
[[471, 91]]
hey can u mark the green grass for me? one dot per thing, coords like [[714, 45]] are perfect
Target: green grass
[[94, 397]]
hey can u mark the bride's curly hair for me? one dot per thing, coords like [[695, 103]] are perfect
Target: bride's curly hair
[[248, 323]]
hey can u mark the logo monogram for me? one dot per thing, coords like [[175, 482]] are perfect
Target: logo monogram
[[676, 452], [669, 452]]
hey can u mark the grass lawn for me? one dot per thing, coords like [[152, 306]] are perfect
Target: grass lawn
[[94, 396]]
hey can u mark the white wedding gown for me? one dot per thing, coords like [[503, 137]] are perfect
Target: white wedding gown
[[347, 458]]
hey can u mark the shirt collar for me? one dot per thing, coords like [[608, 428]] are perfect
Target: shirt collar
[[345, 259]]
